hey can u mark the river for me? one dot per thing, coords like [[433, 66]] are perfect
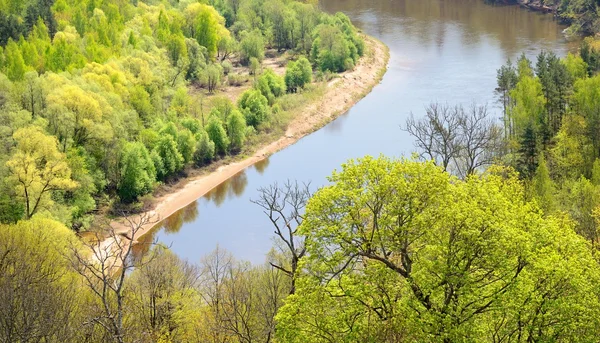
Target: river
[[440, 50]]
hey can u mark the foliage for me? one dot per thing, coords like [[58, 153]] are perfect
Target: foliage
[[217, 134], [270, 85], [298, 74], [236, 130], [137, 172], [255, 107], [37, 169], [401, 251]]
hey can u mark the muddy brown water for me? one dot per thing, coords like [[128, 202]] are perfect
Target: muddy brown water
[[441, 50]]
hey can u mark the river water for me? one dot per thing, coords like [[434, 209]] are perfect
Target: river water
[[441, 50]]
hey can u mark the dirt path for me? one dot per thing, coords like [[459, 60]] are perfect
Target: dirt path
[[341, 94]]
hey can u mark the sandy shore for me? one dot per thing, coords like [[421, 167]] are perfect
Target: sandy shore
[[341, 94]]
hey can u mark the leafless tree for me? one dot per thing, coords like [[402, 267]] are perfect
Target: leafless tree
[[284, 206], [104, 271], [480, 140], [460, 141], [437, 135]]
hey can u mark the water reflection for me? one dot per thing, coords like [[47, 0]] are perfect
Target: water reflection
[[233, 187], [262, 165], [437, 21]]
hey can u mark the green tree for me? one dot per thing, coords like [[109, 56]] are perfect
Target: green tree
[[186, 145], [138, 173], [217, 134], [252, 45], [171, 158], [255, 107], [40, 298], [402, 251], [270, 85], [543, 186], [205, 25], [205, 148], [506, 79], [15, 65], [236, 130], [298, 74], [37, 169]]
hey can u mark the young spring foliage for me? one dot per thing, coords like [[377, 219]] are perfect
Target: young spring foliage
[[399, 250]]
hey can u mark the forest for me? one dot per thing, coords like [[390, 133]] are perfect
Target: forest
[[488, 233], [102, 101]]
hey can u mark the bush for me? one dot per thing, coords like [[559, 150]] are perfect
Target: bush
[[227, 67], [236, 80]]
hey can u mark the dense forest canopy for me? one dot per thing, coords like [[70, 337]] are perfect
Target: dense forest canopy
[[97, 98]]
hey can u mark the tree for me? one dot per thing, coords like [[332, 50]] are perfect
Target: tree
[[298, 74], [543, 186], [236, 130], [37, 169], [217, 134], [252, 45], [171, 158], [138, 173], [270, 85], [214, 75], [106, 269], [461, 141], [255, 107], [284, 206], [205, 25], [197, 56], [15, 65], [205, 149], [401, 249], [163, 300], [39, 295], [186, 145], [506, 80]]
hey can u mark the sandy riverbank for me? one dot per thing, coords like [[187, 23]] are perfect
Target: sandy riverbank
[[341, 94]]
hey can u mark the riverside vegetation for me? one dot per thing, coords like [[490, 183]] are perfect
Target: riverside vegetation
[[493, 237]]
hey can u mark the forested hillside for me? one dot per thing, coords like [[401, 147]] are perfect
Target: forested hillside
[[101, 101]]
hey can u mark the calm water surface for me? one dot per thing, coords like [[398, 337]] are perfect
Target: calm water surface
[[441, 50]]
